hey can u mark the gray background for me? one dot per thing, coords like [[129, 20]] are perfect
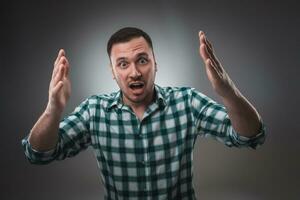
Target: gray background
[[257, 42]]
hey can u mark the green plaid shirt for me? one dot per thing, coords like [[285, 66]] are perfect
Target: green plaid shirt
[[147, 159]]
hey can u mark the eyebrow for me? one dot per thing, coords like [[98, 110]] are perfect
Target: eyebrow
[[138, 55], [143, 54], [120, 59]]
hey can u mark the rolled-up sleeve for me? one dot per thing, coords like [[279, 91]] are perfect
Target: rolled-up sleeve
[[37, 157], [253, 142], [73, 135], [212, 121]]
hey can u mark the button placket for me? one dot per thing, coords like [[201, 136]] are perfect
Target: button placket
[[145, 158]]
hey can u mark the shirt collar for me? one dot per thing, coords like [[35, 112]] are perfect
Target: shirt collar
[[160, 98], [117, 100]]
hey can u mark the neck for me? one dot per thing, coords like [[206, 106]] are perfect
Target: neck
[[140, 107]]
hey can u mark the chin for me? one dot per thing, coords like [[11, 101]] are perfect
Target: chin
[[137, 99]]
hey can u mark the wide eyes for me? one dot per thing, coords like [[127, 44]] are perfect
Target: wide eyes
[[142, 61], [123, 64]]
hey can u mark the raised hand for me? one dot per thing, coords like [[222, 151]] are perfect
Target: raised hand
[[60, 85], [218, 77], [243, 116]]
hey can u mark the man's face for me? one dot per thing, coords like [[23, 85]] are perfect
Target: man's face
[[134, 69]]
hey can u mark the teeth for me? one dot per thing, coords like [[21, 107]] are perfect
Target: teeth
[[133, 85], [136, 84]]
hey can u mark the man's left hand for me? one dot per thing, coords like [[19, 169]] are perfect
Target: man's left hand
[[243, 116], [218, 77]]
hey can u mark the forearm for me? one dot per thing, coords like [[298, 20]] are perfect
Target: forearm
[[243, 116], [44, 134]]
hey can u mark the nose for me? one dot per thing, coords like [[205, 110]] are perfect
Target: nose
[[135, 73]]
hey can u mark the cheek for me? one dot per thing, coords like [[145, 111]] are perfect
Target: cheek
[[151, 74], [120, 78]]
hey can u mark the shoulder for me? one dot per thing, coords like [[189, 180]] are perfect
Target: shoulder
[[177, 92], [102, 97], [102, 100], [189, 95]]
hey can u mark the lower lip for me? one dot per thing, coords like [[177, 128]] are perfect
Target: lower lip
[[137, 91]]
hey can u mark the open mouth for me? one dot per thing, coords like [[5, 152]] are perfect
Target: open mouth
[[136, 85]]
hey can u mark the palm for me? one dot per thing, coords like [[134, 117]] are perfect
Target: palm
[[60, 85], [64, 93]]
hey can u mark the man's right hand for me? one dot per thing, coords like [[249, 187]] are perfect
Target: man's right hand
[[60, 85], [44, 133]]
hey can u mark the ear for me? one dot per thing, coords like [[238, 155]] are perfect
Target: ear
[[112, 71], [155, 66]]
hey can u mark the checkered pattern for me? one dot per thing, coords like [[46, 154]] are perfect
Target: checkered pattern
[[147, 159]]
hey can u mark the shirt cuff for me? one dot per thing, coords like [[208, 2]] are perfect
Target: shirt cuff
[[35, 156], [253, 142]]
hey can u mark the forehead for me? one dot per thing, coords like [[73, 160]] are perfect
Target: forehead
[[130, 48]]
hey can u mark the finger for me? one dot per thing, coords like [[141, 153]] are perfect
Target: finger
[[57, 88], [59, 76], [208, 43], [56, 63], [67, 68], [60, 53], [55, 70], [210, 53], [213, 58], [206, 54], [203, 47], [201, 37], [211, 71], [203, 52], [61, 61], [204, 40]]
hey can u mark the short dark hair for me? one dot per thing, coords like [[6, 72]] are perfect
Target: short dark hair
[[125, 35]]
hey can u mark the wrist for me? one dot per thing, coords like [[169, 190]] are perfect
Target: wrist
[[234, 100], [232, 95], [52, 111]]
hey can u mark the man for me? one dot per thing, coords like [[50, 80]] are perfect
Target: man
[[144, 134]]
